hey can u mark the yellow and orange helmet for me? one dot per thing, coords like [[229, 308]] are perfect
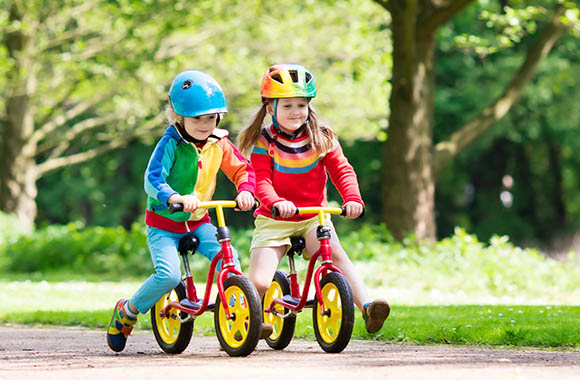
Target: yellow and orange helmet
[[288, 81]]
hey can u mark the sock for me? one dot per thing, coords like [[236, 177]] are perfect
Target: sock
[[128, 312], [366, 307]]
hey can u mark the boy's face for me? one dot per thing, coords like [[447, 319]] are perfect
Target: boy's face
[[200, 127]]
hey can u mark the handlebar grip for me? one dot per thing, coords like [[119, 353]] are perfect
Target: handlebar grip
[[175, 207], [255, 206], [343, 213], [276, 212]]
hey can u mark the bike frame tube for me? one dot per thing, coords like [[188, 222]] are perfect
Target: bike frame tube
[[227, 268], [208, 285], [294, 286], [190, 289]]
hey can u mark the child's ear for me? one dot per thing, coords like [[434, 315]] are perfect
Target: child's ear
[[270, 108]]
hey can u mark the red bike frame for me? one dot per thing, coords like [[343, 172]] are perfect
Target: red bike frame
[[228, 267], [324, 252]]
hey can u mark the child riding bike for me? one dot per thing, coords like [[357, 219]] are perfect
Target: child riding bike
[[183, 169], [291, 157]]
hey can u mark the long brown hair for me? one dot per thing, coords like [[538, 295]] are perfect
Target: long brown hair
[[321, 135]]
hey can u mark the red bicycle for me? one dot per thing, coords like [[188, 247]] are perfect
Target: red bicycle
[[237, 309], [332, 306]]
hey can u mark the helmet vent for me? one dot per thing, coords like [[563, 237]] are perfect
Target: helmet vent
[[277, 78], [308, 77], [187, 84], [293, 75]]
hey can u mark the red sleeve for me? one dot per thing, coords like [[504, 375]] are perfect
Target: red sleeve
[[237, 168], [265, 192], [342, 175]]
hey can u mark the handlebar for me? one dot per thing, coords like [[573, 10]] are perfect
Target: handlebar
[[316, 210], [175, 207]]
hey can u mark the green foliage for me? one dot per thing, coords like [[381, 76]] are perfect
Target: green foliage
[[109, 252], [462, 269], [459, 268], [9, 228], [533, 145]]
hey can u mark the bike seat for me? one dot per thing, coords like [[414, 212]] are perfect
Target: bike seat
[[188, 243], [297, 245]]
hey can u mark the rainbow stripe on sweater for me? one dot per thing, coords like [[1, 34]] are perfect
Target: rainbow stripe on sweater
[[294, 157]]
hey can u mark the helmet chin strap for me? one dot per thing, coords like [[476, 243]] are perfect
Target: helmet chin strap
[[277, 125]]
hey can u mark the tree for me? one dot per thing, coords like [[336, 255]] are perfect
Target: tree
[[80, 78], [411, 159], [96, 74]]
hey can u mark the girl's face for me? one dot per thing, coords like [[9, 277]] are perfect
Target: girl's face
[[291, 113], [200, 127]]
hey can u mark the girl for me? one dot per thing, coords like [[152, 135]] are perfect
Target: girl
[[291, 158], [183, 169]]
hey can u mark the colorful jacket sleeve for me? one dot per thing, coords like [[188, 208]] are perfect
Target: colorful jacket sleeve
[[237, 168], [158, 169], [342, 175]]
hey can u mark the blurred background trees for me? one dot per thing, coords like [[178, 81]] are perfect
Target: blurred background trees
[[92, 76]]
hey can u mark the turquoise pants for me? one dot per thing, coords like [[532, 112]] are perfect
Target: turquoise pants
[[167, 263]]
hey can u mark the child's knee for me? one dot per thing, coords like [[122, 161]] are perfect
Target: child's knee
[[261, 283], [169, 278], [339, 256]]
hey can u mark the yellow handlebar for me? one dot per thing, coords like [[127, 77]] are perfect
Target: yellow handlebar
[[314, 210], [320, 211], [218, 205]]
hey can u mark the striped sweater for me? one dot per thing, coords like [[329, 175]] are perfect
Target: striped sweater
[[289, 170]]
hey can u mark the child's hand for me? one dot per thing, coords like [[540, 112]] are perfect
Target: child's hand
[[190, 202], [286, 208], [245, 200], [353, 209]]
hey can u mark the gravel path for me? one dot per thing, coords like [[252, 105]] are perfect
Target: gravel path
[[34, 353]]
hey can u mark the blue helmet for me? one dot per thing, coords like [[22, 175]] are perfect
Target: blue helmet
[[193, 93]]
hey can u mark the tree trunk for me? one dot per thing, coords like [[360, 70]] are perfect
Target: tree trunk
[[18, 166], [17, 171], [408, 181]]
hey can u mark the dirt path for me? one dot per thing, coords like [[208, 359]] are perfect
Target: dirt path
[[83, 354]]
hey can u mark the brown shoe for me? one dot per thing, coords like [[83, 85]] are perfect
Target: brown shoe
[[375, 314], [266, 330]]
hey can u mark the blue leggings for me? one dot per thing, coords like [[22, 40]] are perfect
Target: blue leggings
[[166, 261]]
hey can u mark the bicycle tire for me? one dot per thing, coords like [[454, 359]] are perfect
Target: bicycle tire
[[283, 328], [333, 329], [172, 336], [238, 335]]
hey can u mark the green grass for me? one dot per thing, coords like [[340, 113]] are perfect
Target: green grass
[[455, 291], [90, 305]]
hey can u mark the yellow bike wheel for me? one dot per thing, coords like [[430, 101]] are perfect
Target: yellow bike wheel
[[333, 327], [172, 336], [238, 332], [283, 328]]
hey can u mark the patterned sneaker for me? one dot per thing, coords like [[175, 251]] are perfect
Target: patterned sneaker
[[119, 328], [375, 314]]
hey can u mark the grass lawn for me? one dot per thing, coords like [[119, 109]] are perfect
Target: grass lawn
[[90, 304]]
